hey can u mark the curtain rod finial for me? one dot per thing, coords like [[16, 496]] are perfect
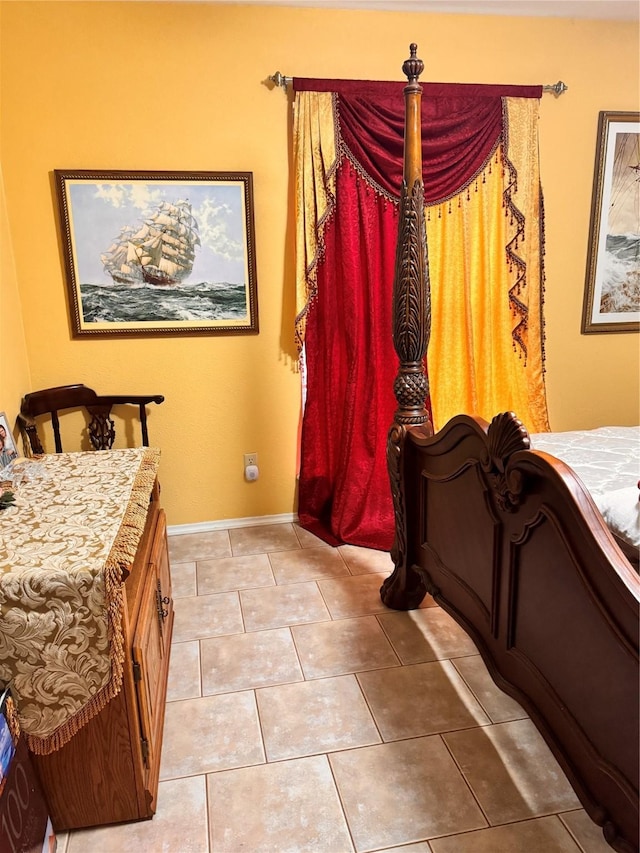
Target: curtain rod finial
[[558, 88], [280, 80], [413, 67]]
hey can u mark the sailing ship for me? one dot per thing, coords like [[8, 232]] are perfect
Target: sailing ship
[[161, 251]]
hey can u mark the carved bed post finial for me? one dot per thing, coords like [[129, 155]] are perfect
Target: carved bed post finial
[[411, 302], [411, 328], [413, 67]]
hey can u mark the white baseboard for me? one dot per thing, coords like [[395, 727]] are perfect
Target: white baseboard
[[227, 523]]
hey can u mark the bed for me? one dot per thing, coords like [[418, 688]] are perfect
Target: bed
[[509, 541]]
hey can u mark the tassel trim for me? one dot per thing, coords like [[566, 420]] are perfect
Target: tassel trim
[[519, 310]]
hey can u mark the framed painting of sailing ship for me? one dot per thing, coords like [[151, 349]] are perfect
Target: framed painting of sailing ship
[[612, 288], [159, 253]]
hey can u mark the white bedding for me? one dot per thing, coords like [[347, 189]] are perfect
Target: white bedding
[[607, 460]]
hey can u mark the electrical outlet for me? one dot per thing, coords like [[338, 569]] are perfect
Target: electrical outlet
[[250, 459]]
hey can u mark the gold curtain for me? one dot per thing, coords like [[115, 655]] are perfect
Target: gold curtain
[[315, 163], [476, 365]]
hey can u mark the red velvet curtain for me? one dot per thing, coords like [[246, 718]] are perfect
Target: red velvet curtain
[[344, 493]]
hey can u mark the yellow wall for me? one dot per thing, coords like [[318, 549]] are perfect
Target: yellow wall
[[162, 86], [14, 363]]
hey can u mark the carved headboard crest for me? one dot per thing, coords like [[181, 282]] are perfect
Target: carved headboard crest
[[506, 435]]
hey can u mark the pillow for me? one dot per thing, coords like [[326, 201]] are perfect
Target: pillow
[[621, 512]]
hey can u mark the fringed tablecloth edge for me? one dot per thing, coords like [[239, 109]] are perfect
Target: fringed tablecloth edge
[[121, 556]]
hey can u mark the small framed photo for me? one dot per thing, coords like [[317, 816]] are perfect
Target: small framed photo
[[159, 253], [612, 287], [8, 449], [7, 743]]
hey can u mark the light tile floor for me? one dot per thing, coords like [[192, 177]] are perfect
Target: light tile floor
[[303, 715]]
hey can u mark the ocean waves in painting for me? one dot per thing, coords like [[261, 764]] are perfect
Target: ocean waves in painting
[[621, 274], [144, 303]]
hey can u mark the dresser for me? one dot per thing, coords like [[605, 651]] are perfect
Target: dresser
[[107, 771]]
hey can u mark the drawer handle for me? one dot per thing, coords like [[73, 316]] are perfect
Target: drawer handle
[[160, 602]]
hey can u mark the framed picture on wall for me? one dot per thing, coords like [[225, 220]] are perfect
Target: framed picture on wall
[[612, 288], [159, 253], [8, 449]]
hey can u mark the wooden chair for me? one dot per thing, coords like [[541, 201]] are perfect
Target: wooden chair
[[101, 427]]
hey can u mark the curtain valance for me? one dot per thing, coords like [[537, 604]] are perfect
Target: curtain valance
[[462, 125]]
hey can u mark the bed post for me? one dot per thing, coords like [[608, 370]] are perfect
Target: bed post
[[404, 590]]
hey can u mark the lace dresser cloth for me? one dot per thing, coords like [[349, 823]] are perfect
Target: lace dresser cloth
[[65, 548]]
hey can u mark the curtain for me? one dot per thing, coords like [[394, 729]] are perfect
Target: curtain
[[484, 230]]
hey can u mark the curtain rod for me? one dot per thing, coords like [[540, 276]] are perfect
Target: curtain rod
[[280, 80]]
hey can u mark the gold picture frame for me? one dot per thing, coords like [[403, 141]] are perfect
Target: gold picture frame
[[158, 253], [612, 287]]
